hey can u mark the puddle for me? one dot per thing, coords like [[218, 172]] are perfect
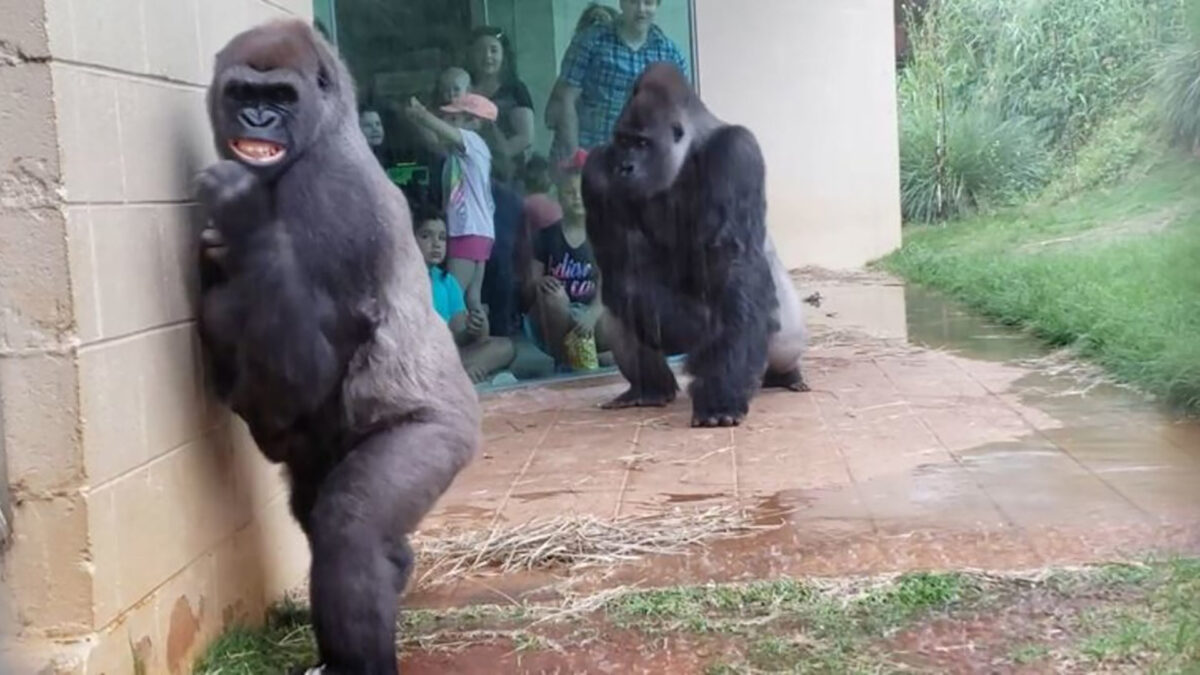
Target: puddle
[[933, 439]]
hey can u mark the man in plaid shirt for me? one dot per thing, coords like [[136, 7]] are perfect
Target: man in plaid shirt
[[599, 70]]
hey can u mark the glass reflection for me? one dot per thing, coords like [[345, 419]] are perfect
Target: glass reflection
[[482, 112]]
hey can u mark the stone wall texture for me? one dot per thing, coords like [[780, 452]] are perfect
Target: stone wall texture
[[142, 518]]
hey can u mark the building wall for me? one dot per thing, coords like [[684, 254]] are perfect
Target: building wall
[[144, 520], [815, 80]]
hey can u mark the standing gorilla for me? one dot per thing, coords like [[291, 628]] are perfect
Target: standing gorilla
[[676, 212], [320, 331]]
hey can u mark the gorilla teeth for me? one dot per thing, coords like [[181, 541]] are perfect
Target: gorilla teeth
[[257, 151]]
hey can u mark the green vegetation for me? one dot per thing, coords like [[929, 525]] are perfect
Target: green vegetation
[[1138, 618], [1053, 144], [1113, 274], [998, 98]]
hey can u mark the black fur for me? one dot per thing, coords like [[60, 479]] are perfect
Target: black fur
[[683, 250], [319, 331]]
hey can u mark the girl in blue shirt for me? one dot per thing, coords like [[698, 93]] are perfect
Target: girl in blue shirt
[[482, 354]]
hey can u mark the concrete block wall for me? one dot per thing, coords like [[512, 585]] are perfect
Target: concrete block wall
[[143, 518]]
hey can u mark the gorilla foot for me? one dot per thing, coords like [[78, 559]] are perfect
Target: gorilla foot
[[718, 420], [791, 379], [639, 399]]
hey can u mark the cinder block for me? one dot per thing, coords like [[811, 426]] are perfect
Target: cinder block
[[149, 540], [172, 39], [40, 408], [211, 500], [145, 265], [105, 531], [265, 480], [140, 397], [165, 139], [35, 287], [59, 29], [301, 9], [27, 108], [198, 502], [261, 12], [241, 598], [90, 134], [47, 567], [24, 31], [109, 33], [81, 257], [220, 20], [162, 632], [285, 551]]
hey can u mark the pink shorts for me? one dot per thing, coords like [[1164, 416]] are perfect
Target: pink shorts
[[469, 247]]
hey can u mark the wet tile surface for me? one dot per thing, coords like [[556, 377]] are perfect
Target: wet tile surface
[[939, 442]]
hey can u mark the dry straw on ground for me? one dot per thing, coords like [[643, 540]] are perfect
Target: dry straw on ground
[[572, 542]]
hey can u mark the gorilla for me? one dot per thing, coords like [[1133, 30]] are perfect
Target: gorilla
[[319, 330], [676, 212]]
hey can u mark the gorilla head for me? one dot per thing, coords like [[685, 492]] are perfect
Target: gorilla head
[[276, 90], [654, 133]]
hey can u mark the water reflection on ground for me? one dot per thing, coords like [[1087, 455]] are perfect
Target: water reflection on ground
[[932, 439]]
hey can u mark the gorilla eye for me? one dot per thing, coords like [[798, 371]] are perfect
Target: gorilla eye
[[677, 130], [238, 91], [323, 77], [280, 94]]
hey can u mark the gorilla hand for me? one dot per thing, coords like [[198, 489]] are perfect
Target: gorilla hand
[[212, 244], [235, 199]]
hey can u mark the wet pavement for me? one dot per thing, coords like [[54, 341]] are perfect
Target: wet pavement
[[931, 440]]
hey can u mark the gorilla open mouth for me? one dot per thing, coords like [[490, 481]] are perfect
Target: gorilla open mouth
[[257, 152]]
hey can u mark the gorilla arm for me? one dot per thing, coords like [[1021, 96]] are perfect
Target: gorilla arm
[[725, 177], [275, 319]]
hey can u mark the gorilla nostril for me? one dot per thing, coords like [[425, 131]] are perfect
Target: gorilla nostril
[[257, 118], [625, 170]]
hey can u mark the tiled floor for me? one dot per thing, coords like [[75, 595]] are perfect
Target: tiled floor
[[930, 439]]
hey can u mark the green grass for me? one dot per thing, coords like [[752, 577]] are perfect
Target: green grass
[[1127, 617], [1114, 273]]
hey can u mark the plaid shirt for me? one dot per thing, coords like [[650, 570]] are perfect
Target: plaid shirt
[[604, 68]]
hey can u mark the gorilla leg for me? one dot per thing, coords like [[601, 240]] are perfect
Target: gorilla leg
[[788, 342], [728, 367], [785, 379], [361, 558], [651, 382]]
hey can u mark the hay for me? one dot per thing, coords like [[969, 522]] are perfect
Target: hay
[[572, 542]]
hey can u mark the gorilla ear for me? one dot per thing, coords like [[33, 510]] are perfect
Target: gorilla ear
[[677, 131]]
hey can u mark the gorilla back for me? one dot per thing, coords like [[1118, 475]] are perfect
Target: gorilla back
[[319, 330], [676, 212]]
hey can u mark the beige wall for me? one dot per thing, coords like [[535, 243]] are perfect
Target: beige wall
[[144, 520], [814, 79]]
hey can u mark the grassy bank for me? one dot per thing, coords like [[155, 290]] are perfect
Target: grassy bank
[[1130, 618], [1114, 273]]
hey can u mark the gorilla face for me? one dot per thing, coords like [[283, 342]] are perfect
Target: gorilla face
[[647, 155], [266, 111]]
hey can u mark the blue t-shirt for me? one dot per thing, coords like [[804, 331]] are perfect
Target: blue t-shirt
[[447, 293]]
